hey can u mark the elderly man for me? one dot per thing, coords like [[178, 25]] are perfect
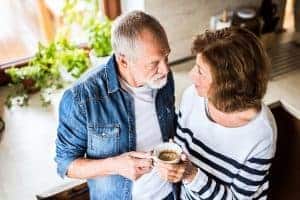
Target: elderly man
[[117, 113]]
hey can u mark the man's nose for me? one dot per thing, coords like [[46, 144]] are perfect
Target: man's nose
[[164, 68]]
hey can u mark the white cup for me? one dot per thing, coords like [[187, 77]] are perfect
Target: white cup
[[167, 148]]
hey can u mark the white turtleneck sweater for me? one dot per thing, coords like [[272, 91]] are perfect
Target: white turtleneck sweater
[[148, 134]]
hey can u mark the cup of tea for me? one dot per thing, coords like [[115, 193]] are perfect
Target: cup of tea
[[167, 152]]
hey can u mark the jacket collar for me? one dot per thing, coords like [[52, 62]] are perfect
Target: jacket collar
[[111, 75]]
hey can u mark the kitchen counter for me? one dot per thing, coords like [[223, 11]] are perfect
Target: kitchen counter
[[283, 90]]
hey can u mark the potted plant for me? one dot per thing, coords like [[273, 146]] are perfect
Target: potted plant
[[88, 21], [50, 68], [61, 61]]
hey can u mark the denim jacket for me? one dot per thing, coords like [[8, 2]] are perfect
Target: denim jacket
[[96, 121]]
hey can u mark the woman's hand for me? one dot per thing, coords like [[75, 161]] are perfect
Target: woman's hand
[[190, 172], [174, 173]]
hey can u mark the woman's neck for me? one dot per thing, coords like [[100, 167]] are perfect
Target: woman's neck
[[233, 119]]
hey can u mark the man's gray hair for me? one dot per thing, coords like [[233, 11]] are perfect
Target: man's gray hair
[[127, 28]]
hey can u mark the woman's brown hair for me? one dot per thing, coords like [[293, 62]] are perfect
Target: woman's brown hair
[[239, 67]]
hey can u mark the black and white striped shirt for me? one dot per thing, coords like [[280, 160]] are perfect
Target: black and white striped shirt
[[233, 163]]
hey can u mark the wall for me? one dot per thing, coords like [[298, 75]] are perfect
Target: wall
[[183, 19]]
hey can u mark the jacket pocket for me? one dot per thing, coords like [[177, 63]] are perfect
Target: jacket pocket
[[103, 140]]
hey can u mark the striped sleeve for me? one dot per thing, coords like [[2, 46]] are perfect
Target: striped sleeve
[[232, 180], [251, 183]]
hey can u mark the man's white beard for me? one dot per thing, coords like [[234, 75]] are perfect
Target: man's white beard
[[157, 82]]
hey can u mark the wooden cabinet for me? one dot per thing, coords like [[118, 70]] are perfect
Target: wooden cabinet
[[285, 173]]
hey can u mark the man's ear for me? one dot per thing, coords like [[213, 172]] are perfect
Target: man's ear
[[122, 61]]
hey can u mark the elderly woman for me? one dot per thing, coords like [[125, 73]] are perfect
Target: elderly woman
[[228, 134]]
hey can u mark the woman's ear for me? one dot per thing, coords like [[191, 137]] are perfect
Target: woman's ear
[[122, 61]]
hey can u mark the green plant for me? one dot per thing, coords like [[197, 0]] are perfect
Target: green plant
[[44, 69], [73, 11], [72, 58], [99, 37], [88, 18], [41, 68], [18, 97]]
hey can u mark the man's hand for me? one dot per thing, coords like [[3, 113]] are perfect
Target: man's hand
[[133, 164], [174, 173]]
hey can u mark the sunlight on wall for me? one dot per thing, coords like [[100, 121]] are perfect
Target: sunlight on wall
[[19, 29], [289, 21]]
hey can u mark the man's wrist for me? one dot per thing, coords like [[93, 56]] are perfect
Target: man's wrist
[[111, 164]]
